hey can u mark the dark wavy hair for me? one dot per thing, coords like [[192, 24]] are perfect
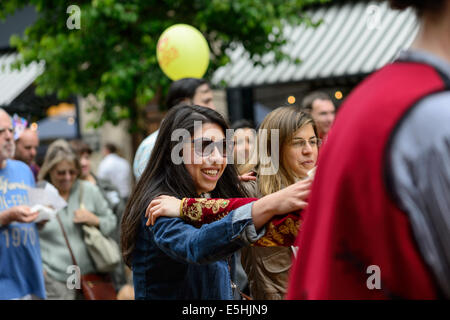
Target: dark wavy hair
[[420, 6], [163, 176]]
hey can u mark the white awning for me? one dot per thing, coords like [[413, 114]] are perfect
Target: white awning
[[354, 39], [14, 82]]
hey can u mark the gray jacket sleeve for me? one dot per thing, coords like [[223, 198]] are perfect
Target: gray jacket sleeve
[[419, 170]]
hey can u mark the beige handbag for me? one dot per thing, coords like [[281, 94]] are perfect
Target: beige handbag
[[94, 286], [104, 251]]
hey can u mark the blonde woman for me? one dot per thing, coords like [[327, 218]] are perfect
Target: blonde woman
[[293, 135], [61, 168]]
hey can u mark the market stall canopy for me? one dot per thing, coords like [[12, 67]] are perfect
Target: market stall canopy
[[354, 39], [14, 82], [56, 127]]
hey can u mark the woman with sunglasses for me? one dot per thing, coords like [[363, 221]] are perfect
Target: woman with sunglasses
[[172, 259], [61, 168], [268, 260]]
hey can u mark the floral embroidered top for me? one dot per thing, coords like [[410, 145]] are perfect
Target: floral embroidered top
[[281, 231]]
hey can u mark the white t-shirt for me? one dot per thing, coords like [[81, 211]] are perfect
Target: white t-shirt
[[143, 154], [117, 170]]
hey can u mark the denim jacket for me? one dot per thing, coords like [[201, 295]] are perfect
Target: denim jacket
[[174, 260]]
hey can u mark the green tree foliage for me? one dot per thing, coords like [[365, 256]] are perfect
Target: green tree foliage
[[113, 54]]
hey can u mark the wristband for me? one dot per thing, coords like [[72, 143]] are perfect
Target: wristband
[[181, 208]]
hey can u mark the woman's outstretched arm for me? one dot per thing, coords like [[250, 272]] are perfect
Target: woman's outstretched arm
[[281, 230], [219, 239]]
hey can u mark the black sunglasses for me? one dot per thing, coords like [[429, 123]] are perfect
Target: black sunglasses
[[205, 147]]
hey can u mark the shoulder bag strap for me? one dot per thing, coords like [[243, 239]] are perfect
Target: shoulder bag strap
[[80, 196], [67, 240]]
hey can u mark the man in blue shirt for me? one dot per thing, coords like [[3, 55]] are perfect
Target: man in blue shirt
[[21, 273]]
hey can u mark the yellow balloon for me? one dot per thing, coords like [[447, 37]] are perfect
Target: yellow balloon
[[182, 52]]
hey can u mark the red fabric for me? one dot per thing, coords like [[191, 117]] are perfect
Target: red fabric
[[351, 222], [280, 231], [198, 211]]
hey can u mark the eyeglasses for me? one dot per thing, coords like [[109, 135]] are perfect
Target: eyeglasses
[[313, 142], [205, 147]]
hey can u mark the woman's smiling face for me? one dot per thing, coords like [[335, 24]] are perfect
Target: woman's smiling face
[[63, 175], [206, 160], [300, 154]]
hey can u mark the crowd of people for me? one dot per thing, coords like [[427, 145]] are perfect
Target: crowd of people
[[307, 205]]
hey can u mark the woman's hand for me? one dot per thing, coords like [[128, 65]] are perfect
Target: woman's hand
[[85, 216], [165, 206], [292, 198], [289, 199], [249, 176]]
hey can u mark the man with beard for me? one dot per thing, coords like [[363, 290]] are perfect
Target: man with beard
[[21, 273]]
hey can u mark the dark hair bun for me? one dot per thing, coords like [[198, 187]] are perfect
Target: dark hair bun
[[420, 6]]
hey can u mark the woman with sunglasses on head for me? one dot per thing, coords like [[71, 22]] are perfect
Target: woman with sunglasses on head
[[85, 205], [293, 158], [172, 259]]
